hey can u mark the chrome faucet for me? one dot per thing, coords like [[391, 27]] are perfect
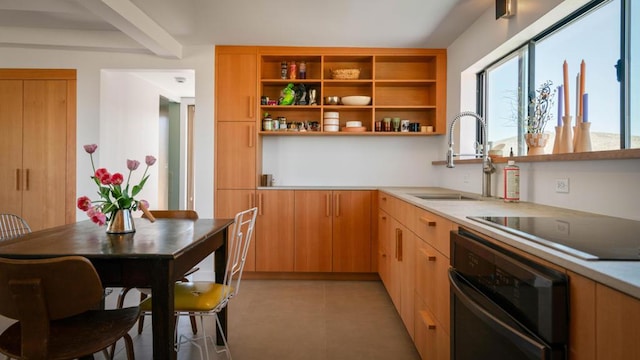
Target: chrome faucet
[[487, 165]]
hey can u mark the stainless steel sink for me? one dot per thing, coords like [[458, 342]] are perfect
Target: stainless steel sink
[[443, 196]]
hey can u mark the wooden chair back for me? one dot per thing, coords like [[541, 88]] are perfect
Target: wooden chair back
[[35, 292], [173, 214]]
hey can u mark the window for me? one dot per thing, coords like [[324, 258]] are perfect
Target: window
[[592, 34], [507, 89], [634, 72]]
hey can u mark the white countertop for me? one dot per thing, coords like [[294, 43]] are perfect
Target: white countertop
[[620, 275]]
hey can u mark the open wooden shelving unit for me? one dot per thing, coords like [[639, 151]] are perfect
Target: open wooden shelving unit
[[405, 83]]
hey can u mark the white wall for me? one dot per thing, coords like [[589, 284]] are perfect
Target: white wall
[[115, 132], [607, 187], [349, 161]]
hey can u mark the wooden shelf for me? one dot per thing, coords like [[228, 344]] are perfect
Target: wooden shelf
[[405, 83]]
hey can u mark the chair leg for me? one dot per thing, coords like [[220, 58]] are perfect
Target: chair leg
[[194, 325], [128, 343], [224, 338], [141, 319]]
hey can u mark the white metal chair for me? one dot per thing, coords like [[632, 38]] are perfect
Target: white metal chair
[[208, 298], [12, 226]]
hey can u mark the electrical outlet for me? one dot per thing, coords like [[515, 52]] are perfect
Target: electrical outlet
[[562, 185], [465, 178]]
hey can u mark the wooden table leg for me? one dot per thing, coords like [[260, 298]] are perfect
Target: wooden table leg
[[162, 288]]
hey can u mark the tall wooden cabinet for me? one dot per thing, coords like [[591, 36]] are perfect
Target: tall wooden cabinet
[[37, 145], [275, 231]]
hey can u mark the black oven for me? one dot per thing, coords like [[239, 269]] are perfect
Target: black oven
[[504, 306]]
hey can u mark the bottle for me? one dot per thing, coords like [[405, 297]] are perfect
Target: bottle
[[511, 182], [293, 73], [283, 70], [302, 70]]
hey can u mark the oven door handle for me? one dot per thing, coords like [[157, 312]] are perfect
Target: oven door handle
[[531, 345]]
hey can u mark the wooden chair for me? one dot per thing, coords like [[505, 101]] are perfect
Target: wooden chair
[[208, 298], [12, 226], [56, 302], [144, 293]]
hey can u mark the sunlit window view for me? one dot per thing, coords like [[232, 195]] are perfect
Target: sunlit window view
[[506, 87], [594, 39], [591, 46]]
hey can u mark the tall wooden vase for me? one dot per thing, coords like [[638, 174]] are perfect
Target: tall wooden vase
[[583, 142], [566, 143]]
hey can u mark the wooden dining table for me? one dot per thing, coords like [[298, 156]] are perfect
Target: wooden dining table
[[155, 256]]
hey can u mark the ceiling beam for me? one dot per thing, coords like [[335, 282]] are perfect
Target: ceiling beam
[[128, 18]]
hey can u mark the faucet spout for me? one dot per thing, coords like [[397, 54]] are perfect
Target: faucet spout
[[487, 165]]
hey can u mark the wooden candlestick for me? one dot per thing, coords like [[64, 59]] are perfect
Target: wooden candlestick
[[576, 131], [584, 139], [566, 143], [557, 140]]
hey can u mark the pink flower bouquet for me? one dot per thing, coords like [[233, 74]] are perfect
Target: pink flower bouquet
[[113, 196]]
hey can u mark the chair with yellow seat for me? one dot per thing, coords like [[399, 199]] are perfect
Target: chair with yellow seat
[[58, 317], [208, 298], [144, 292]]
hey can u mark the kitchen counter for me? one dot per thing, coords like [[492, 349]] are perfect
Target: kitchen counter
[[620, 275]]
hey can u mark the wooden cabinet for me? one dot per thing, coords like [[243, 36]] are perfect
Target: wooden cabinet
[[313, 230], [37, 143], [617, 325], [236, 74], [228, 204], [431, 340], [432, 282], [333, 231], [275, 231], [351, 237], [405, 83], [235, 155], [582, 318]]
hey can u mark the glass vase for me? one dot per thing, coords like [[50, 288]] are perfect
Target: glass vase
[[121, 222]]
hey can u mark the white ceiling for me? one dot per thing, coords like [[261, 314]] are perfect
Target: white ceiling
[[164, 27]]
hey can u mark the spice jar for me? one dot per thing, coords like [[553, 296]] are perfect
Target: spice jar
[[267, 122], [292, 70], [283, 70], [302, 70]]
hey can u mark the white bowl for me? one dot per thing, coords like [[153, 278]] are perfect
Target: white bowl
[[332, 128], [356, 100], [354, 123], [332, 121], [331, 115]]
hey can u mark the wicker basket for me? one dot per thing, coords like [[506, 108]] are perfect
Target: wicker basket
[[345, 74]]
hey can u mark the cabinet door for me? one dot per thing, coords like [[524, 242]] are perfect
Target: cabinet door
[[314, 212], [384, 251], [235, 155], [406, 276], [352, 231], [432, 281], [45, 153], [236, 84], [230, 202], [617, 319], [274, 226], [11, 146]]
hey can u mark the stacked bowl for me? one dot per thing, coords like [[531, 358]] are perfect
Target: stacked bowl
[[331, 121], [354, 126]]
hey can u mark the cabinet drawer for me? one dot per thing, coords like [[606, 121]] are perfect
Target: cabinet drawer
[[430, 338], [433, 229], [432, 281]]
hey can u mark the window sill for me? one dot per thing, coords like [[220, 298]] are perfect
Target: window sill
[[593, 155]]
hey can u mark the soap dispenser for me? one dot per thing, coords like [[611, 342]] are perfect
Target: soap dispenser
[[511, 182]]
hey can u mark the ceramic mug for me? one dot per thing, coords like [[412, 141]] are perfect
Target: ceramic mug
[[404, 125]]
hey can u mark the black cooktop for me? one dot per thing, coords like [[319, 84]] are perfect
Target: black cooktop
[[586, 237]]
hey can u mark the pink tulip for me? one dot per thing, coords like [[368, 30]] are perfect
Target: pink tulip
[[117, 179], [90, 148], [132, 164], [144, 203], [150, 160], [96, 216]]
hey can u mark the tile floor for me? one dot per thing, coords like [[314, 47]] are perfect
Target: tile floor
[[300, 320]]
